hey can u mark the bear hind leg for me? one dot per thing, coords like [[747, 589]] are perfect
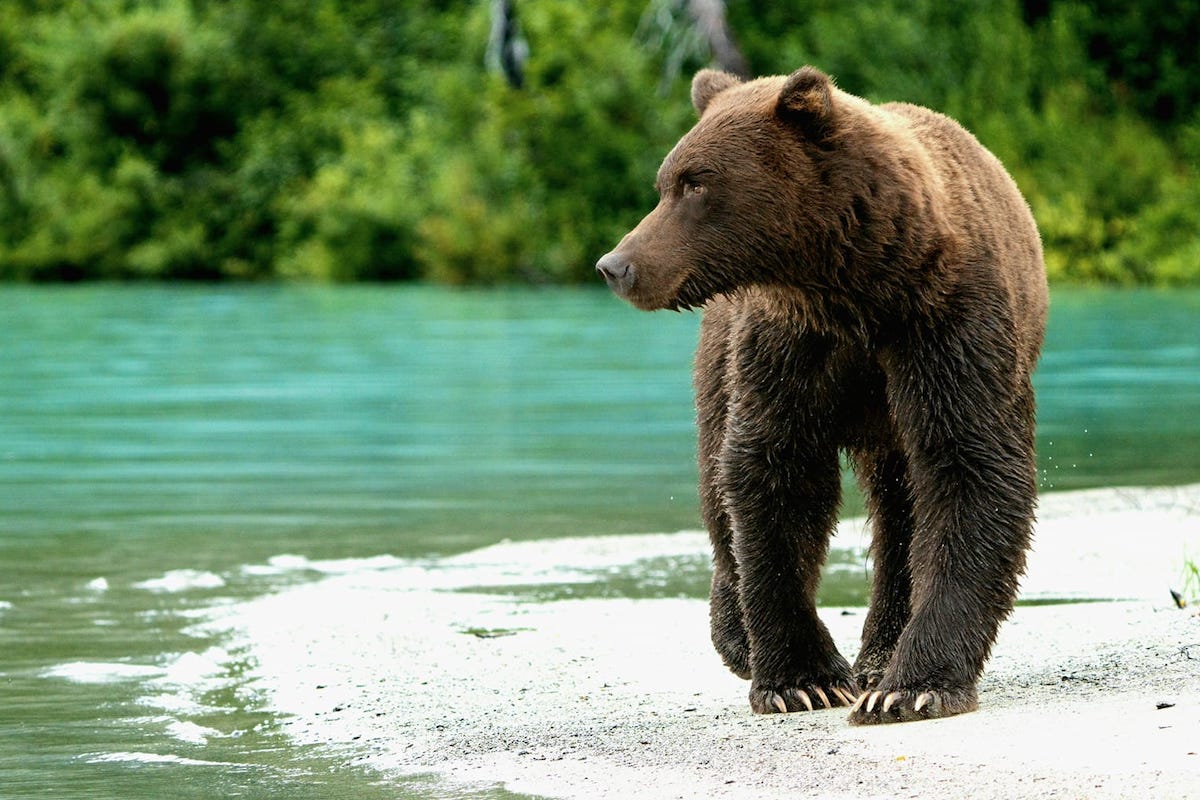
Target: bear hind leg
[[725, 609], [712, 401], [725, 618], [883, 475]]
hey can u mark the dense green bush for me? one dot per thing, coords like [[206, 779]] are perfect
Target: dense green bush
[[535, 183], [1114, 189], [315, 139]]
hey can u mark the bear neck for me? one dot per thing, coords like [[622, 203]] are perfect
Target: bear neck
[[883, 255]]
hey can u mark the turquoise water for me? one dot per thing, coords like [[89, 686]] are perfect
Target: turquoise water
[[157, 443]]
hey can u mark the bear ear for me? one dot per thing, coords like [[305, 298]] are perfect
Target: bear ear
[[707, 84], [806, 101]]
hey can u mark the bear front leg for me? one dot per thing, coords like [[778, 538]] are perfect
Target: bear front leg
[[782, 499], [967, 426]]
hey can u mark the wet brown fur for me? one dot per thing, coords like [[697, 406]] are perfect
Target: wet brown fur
[[872, 283]]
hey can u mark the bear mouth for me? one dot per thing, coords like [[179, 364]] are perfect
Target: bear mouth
[[691, 293], [687, 296]]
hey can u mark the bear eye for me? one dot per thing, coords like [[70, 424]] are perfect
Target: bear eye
[[691, 188]]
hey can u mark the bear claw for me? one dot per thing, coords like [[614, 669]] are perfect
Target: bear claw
[[889, 699], [882, 706], [845, 695], [810, 698]]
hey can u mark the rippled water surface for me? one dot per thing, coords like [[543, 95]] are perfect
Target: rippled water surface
[[165, 449]]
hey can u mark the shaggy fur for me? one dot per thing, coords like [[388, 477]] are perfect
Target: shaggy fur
[[872, 283]]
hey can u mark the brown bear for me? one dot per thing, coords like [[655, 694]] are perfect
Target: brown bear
[[872, 283]]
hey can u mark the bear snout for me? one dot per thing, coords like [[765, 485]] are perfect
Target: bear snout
[[617, 271]]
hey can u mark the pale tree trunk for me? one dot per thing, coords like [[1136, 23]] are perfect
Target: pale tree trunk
[[713, 26], [507, 49]]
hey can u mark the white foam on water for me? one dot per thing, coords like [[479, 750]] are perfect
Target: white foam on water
[[288, 563], [175, 703], [507, 563], [197, 668], [191, 733], [185, 680], [580, 553], [97, 585], [278, 565], [182, 580], [178, 687], [101, 671], [5, 606], [152, 758], [342, 566]]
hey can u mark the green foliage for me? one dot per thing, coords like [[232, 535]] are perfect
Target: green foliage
[[1189, 591], [1114, 192], [1152, 53], [321, 140], [1114, 195], [534, 184]]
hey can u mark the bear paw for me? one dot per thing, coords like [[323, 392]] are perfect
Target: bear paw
[[807, 697], [878, 706]]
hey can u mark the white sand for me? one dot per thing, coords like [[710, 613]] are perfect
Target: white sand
[[626, 699]]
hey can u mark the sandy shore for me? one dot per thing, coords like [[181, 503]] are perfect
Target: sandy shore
[[398, 668]]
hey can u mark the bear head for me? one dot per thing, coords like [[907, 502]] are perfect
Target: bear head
[[744, 197]]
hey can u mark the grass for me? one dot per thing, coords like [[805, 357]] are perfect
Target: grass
[[1190, 590]]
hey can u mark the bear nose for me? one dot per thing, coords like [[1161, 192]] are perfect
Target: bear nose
[[617, 271]]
